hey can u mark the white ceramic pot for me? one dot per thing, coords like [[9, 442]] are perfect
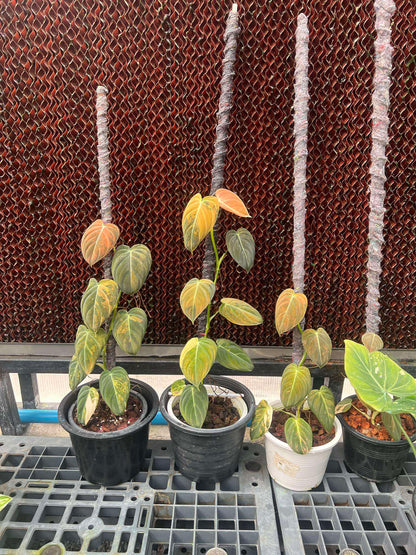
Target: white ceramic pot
[[294, 471]]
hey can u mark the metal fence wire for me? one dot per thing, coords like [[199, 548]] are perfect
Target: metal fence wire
[[162, 64]]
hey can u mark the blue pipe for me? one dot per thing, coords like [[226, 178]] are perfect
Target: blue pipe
[[51, 417]]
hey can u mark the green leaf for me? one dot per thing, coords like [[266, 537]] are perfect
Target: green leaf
[[129, 329], [240, 245], [98, 302], [230, 355], [298, 435], [262, 420], [87, 402], [343, 406], [405, 405], [392, 424], [198, 219], [318, 346], [296, 384], [177, 387], [372, 341], [239, 312], [130, 267], [115, 389], [4, 499], [194, 405], [88, 347], [322, 404], [76, 373], [290, 310], [196, 296], [197, 358]]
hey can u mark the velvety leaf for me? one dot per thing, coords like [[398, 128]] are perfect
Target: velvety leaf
[[231, 202], [115, 389], [130, 267], [98, 302], [76, 373], [405, 405], [198, 219], [87, 402], [372, 341], [290, 310], [129, 328], [298, 435], [4, 499], [177, 387], [230, 355], [262, 420], [343, 406], [240, 245], [392, 424], [296, 384], [88, 347], [197, 358], [98, 240], [196, 296], [194, 405], [322, 404], [317, 345], [240, 312]]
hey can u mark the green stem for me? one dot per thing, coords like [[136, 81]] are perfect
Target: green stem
[[300, 329], [363, 413], [110, 329], [302, 360], [412, 447], [218, 262]]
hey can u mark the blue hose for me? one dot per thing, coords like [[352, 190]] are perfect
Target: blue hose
[[51, 417]]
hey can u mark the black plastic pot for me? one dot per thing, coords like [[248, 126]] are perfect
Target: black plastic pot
[[110, 458], [370, 458], [209, 454]]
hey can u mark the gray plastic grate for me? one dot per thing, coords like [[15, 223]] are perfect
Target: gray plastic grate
[[348, 511], [160, 512]]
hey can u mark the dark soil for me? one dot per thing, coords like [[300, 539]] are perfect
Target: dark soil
[[221, 413], [103, 420], [319, 435], [360, 423]]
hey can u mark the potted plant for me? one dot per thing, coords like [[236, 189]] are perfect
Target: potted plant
[[207, 417], [378, 421], [108, 419], [300, 429]]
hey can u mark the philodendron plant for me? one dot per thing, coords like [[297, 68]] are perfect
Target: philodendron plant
[[200, 353], [296, 392], [100, 306], [380, 384]]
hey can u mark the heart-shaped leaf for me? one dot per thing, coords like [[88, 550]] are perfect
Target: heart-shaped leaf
[[194, 405], [198, 219], [322, 404], [87, 402], [290, 310], [405, 405], [343, 406], [262, 420], [76, 373], [177, 387], [317, 345], [129, 329], [372, 341], [239, 312], [240, 245], [392, 424], [296, 384], [98, 302], [196, 296], [231, 202], [115, 389], [298, 435], [98, 240], [88, 347], [4, 499], [130, 267], [197, 358], [230, 355]]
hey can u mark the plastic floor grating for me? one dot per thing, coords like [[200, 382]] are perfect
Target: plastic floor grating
[[160, 512], [346, 511]]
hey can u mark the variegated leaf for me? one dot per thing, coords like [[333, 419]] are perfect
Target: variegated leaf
[[87, 402], [232, 356], [317, 345], [115, 389], [198, 219], [240, 245], [98, 240], [197, 358], [231, 202], [298, 435], [194, 405], [322, 404], [196, 296], [98, 302], [88, 347], [262, 420], [290, 310], [343, 406], [372, 341], [296, 384], [392, 424], [4, 499], [130, 267], [239, 312], [129, 328], [177, 387], [76, 373]]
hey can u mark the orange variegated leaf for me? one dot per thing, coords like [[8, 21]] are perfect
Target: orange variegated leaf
[[98, 240], [290, 310], [198, 219], [231, 202]]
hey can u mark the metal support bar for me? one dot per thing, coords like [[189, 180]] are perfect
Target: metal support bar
[[9, 417], [29, 390]]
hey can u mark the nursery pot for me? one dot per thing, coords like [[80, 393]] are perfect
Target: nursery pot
[[209, 454], [110, 458], [293, 470], [371, 458]]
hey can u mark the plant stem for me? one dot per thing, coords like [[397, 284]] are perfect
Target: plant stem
[[412, 447], [218, 262], [302, 360], [300, 329], [110, 329]]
